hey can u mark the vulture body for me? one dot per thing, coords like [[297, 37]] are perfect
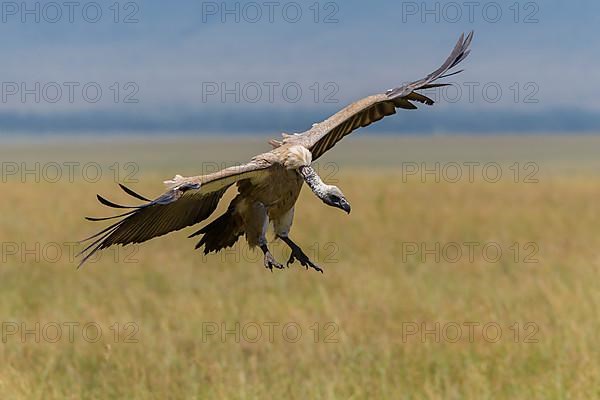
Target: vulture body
[[268, 185]]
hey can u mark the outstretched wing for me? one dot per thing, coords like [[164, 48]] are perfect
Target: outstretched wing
[[326, 134], [187, 202]]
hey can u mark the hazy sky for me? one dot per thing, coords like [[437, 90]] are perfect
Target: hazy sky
[[158, 56]]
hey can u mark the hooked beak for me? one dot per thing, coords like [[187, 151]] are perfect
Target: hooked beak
[[344, 205]]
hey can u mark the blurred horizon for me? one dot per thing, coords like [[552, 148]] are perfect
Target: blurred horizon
[[270, 67]]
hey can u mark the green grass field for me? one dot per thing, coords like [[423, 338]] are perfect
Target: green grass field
[[468, 288]]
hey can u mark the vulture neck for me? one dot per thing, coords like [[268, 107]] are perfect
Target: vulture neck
[[313, 181]]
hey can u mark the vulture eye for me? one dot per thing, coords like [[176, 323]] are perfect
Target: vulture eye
[[334, 199]]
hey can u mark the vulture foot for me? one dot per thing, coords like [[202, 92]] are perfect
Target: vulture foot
[[298, 254], [270, 261], [304, 261]]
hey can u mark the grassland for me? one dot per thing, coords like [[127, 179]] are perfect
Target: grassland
[[177, 310]]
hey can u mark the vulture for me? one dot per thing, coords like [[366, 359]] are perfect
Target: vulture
[[268, 186]]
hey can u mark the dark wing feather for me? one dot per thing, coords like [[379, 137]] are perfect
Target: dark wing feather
[[326, 134], [188, 202]]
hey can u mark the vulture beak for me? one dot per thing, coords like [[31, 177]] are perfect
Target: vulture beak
[[344, 205]]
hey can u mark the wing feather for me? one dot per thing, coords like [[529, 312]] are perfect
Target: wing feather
[[326, 134], [187, 202]]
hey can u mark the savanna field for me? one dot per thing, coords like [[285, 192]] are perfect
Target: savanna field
[[447, 280]]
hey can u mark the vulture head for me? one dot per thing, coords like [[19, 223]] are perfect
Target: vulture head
[[334, 197]]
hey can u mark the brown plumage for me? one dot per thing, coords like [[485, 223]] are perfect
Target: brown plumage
[[268, 185]]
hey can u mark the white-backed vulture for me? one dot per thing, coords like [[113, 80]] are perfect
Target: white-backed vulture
[[268, 185]]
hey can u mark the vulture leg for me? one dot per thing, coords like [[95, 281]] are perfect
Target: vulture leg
[[257, 222], [298, 254]]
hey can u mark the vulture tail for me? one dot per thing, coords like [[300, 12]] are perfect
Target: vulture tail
[[223, 232]]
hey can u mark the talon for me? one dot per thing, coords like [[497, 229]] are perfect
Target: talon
[[270, 262], [290, 260], [298, 255]]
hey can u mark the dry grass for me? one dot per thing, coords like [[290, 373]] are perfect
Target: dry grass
[[371, 291]]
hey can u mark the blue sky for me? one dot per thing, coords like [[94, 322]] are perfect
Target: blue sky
[[527, 56]]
